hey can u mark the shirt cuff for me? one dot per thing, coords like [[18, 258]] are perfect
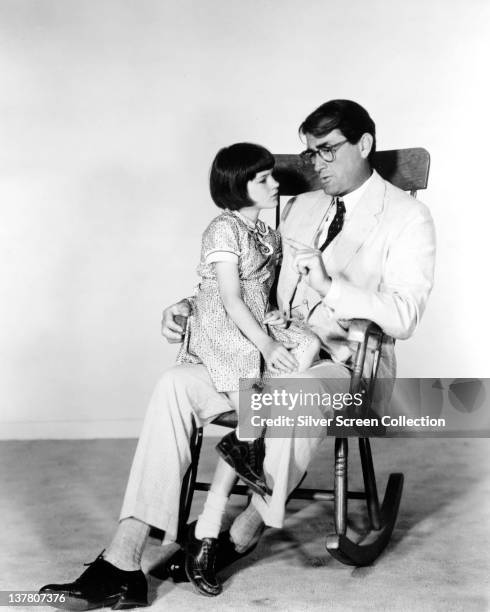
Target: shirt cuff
[[216, 256]]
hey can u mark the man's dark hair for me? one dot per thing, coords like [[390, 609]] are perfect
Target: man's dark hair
[[231, 170], [349, 117]]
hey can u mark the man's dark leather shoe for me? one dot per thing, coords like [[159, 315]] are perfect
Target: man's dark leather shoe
[[200, 558], [246, 458], [102, 584]]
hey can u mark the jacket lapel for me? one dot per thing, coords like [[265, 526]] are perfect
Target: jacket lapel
[[311, 222], [304, 231], [357, 228]]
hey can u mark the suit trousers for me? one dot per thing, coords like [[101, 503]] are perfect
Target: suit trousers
[[163, 453]]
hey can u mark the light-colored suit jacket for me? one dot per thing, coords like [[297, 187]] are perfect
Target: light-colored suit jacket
[[381, 265]]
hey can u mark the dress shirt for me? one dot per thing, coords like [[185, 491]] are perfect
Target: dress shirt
[[350, 202]]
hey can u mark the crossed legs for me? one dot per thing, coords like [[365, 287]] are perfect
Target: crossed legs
[[153, 492], [163, 454]]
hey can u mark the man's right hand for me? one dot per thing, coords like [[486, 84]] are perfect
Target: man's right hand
[[172, 329]]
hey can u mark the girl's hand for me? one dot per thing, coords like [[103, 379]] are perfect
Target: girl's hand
[[277, 356], [276, 318]]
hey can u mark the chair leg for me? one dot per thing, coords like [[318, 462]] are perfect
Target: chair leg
[[340, 485], [188, 482], [370, 483], [365, 549]]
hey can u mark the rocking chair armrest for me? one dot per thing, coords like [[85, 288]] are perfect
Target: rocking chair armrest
[[361, 330], [368, 336]]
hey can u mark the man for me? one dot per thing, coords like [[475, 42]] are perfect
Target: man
[[372, 257]]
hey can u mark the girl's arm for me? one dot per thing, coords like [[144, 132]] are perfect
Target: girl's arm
[[275, 353]]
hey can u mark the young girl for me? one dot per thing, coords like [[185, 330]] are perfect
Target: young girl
[[227, 329]]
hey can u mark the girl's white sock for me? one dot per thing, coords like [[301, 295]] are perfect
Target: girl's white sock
[[209, 521]]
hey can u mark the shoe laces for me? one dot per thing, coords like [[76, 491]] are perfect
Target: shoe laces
[[99, 558], [253, 455], [208, 550], [256, 456]]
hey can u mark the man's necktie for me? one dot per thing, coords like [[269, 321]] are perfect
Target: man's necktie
[[337, 223]]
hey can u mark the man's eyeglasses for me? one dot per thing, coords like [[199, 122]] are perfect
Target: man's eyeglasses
[[326, 152]]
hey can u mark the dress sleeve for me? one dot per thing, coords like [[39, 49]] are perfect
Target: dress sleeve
[[220, 241]]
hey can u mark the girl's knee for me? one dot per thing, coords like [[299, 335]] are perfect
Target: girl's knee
[[306, 355]]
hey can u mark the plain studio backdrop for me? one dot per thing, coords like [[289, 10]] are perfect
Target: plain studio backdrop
[[111, 112]]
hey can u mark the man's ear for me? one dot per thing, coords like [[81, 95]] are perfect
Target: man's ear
[[365, 145]]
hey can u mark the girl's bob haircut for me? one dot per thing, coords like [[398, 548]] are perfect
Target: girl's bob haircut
[[233, 167]]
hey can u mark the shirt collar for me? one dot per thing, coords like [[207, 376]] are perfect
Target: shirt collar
[[351, 199], [259, 225]]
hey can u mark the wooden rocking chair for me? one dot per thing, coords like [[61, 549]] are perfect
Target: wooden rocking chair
[[408, 169]]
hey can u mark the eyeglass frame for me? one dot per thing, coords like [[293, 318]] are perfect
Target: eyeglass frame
[[309, 156]]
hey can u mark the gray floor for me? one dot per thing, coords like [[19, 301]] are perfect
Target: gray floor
[[60, 501]]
